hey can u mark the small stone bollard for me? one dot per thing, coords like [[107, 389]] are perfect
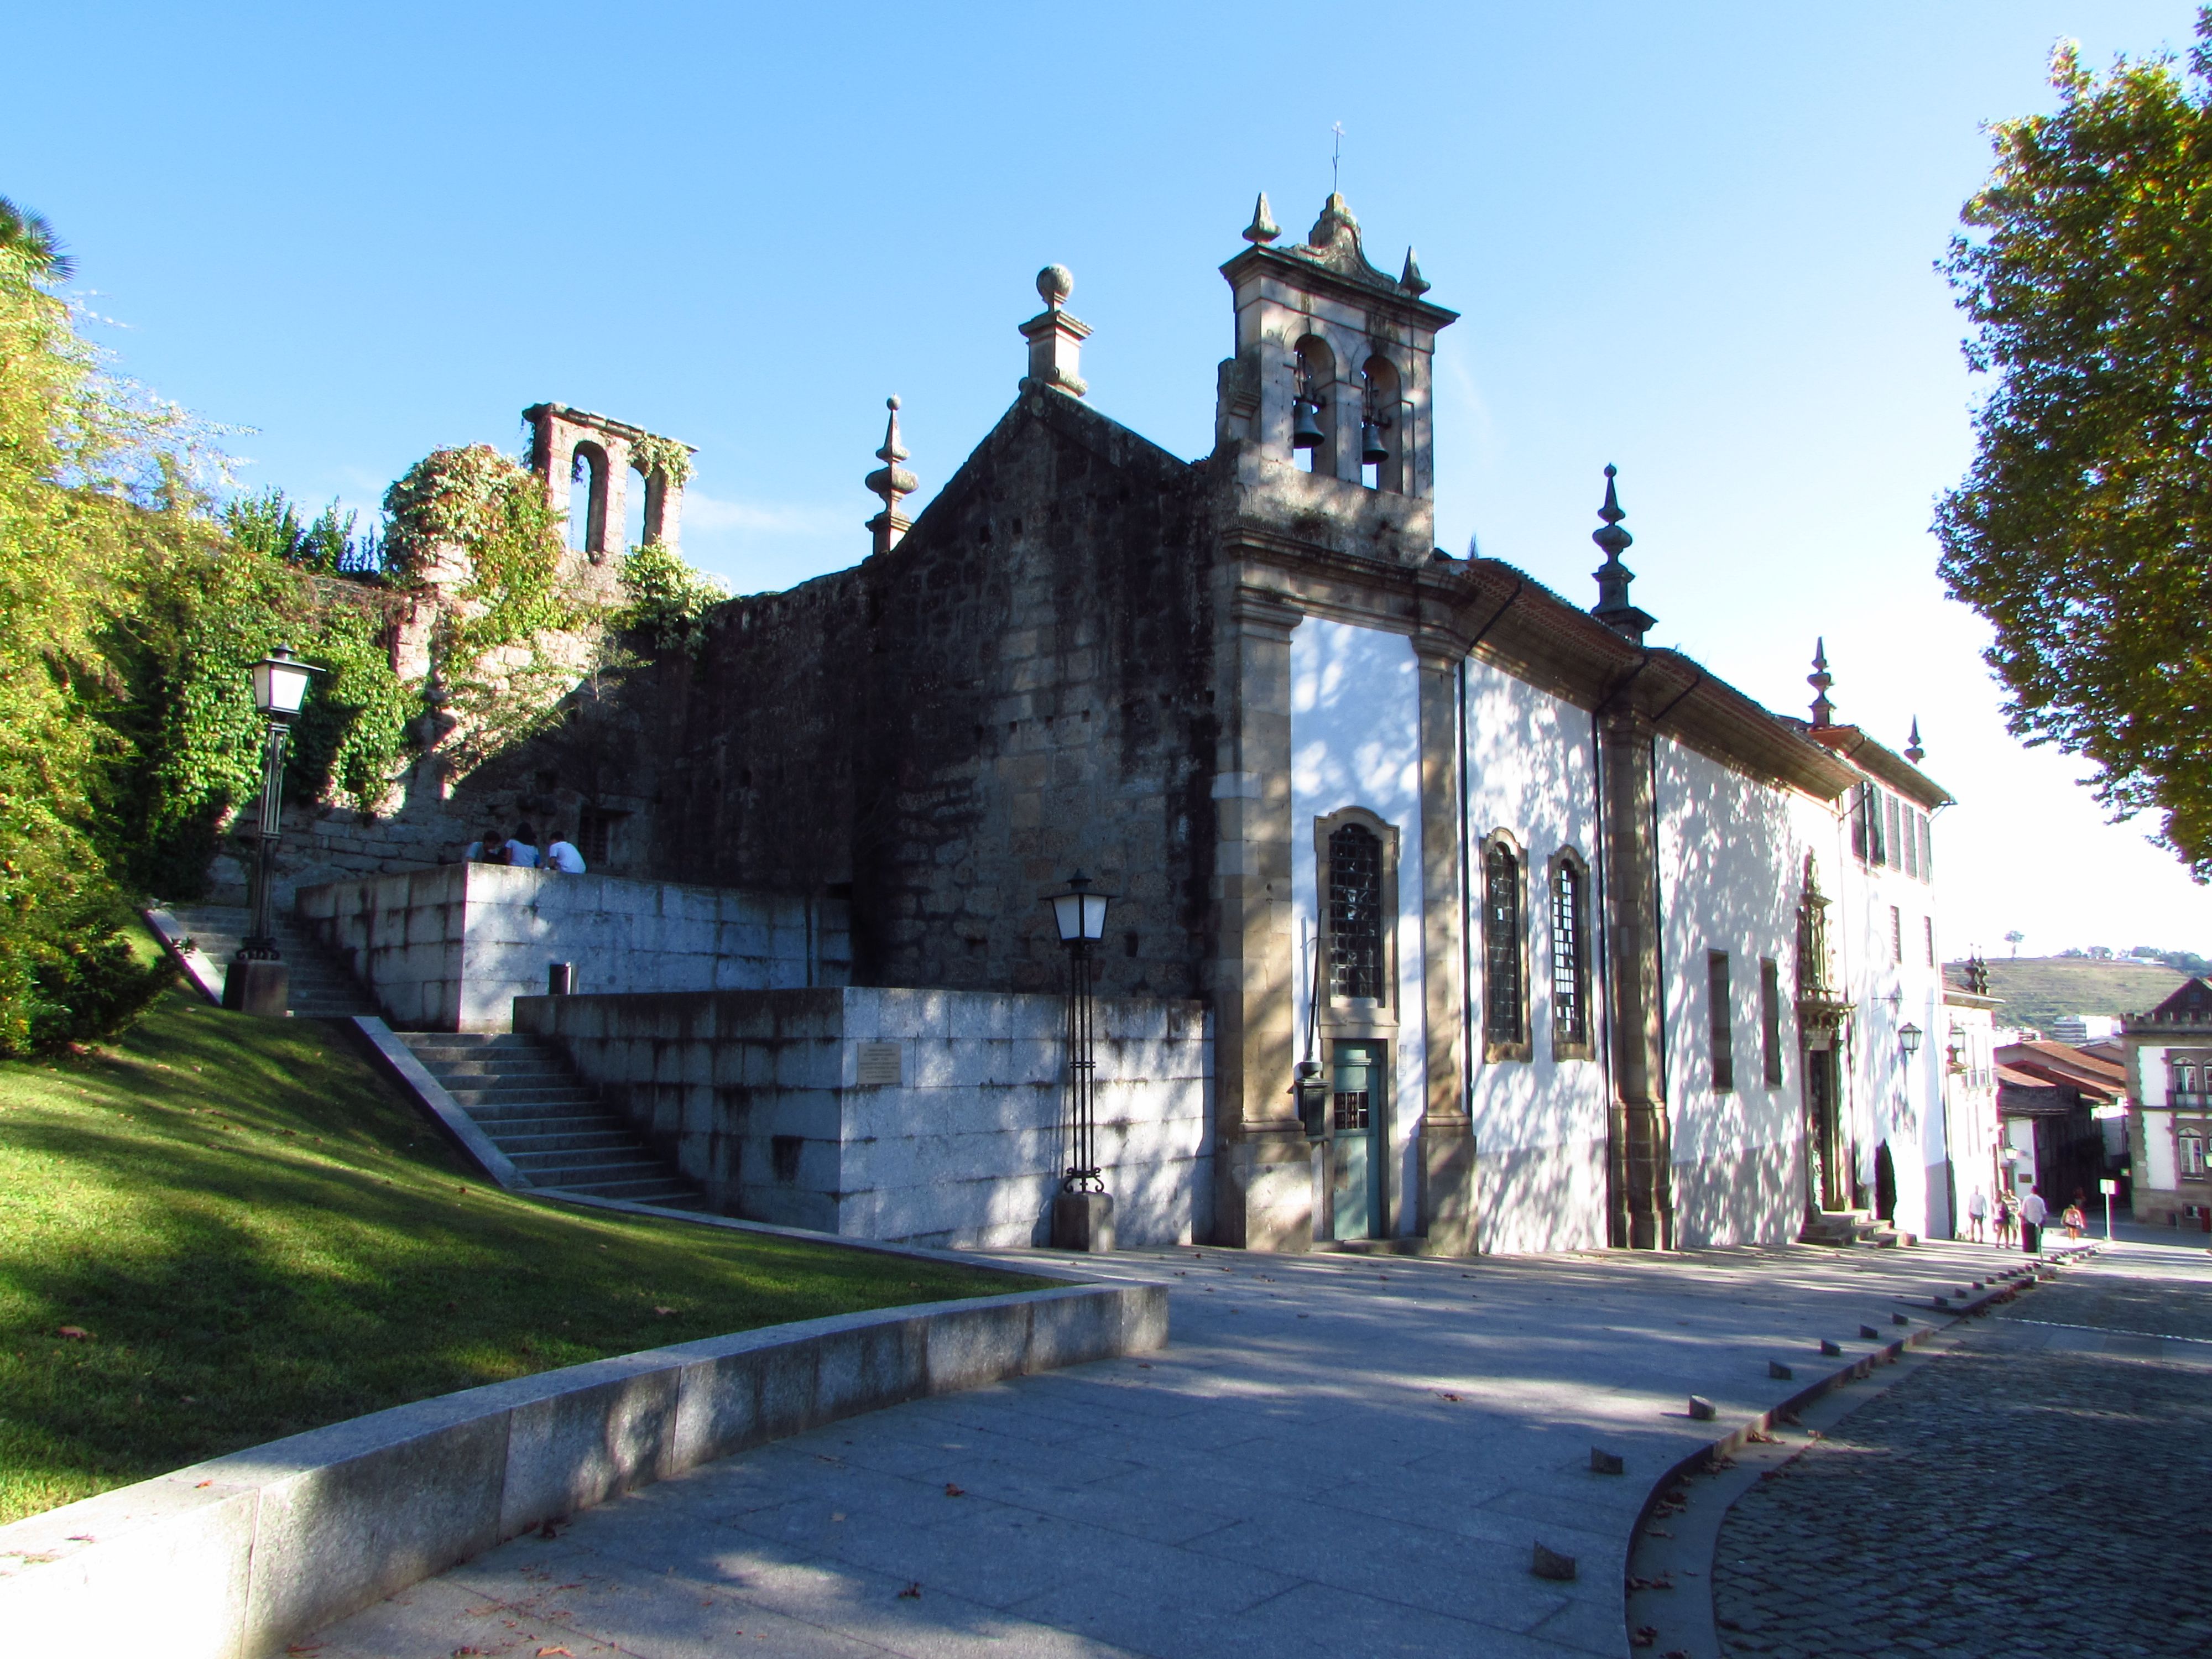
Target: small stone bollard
[[1550, 1563], [1779, 1371], [1606, 1462], [1832, 1350], [1868, 1333], [1979, 1284], [1701, 1409], [1898, 1319], [1942, 1301]]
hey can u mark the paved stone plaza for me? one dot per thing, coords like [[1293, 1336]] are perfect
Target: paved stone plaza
[[1334, 1455], [2040, 1489]]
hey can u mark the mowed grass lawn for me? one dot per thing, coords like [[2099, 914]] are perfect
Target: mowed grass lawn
[[255, 1235]]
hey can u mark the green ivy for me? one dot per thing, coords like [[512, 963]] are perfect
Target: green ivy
[[671, 459], [668, 598]]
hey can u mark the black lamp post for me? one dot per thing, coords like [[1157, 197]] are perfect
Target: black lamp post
[[257, 981], [1909, 1040], [1083, 1210]]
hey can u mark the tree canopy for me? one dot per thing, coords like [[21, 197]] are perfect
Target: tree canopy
[[2083, 532]]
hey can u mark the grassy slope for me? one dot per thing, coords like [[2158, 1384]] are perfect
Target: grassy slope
[[259, 1236], [2038, 989]]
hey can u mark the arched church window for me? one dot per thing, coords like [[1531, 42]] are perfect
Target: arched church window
[[1570, 959], [1504, 989], [1355, 913]]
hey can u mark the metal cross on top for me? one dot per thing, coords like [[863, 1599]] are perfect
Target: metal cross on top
[[1336, 156]]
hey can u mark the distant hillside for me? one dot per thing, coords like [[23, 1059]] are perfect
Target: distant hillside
[[2038, 989]]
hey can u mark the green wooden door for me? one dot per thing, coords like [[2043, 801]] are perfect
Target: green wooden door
[[1355, 1125]]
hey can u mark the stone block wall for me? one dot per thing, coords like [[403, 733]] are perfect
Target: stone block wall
[[782, 1104], [450, 948]]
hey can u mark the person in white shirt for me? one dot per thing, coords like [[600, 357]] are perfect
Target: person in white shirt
[[1978, 1211], [522, 850], [562, 855], [2033, 1211]]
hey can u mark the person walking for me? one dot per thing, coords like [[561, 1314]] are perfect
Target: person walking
[[1977, 1214], [2032, 1210], [2007, 1214], [2073, 1217]]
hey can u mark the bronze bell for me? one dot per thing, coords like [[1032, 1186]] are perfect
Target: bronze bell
[[1373, 451], [1305, 430]]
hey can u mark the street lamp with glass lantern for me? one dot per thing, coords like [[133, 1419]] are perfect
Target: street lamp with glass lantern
[[1083, 1210], [257, 981], [1908, 1040]]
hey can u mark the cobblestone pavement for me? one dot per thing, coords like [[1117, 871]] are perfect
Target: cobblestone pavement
[[2038, 1489]]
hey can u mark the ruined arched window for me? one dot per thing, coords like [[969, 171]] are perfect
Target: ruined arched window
[[1355, 913], [588, 484], [1570, 1021], [1379, 428], [1505, 981], [1313, 410]]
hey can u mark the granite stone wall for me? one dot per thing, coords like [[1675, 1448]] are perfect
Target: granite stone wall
[[922, 1117], [450, 948]]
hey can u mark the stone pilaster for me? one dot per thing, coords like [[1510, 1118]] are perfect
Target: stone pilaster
[[1639, 1162], [1446, 1131], [1263, 1179]]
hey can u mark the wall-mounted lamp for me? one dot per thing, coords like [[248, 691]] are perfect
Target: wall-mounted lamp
[[1908, 1039]]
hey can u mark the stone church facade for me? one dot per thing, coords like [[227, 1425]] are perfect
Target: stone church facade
[[1588, 946]]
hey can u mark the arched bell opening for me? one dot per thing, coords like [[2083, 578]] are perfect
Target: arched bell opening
[[1382, 444], [641, 508], [588, 480], [1313, 410]]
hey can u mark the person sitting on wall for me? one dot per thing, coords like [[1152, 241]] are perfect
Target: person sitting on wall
[[560, 854], [489, 847], [522, 849]]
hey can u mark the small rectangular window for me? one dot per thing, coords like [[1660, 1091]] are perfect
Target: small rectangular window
[[1896, 934], [1716, 996], [1769, 1018], [1929, 924]]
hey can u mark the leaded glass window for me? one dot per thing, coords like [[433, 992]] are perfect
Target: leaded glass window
[[1569, 974], [1502, 1002], [1355, 913]]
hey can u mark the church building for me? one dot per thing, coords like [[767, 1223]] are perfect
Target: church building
[[1588, 947]]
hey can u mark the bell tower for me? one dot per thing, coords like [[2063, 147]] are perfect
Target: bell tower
[[1326, 408]]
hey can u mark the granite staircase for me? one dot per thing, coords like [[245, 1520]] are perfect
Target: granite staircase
[[323, 986], [522, 1093]]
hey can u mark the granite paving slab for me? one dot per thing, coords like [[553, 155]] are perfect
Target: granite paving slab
[[1330, 1457]]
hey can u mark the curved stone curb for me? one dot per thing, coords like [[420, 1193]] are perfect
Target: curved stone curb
[[234, 1557], [1681, 1614]]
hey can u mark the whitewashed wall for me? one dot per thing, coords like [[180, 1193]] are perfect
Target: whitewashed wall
[[1540, 1124], [1895, 1100], [1731, 858], [1356, 741]]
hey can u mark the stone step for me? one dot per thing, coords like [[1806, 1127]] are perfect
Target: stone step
[[636, 1164], [539, 1100], [661, 1191], [532, 1123], [498, 1063], [529, 1144]]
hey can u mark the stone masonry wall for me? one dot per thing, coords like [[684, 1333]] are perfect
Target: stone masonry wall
[[450, 948], [1022, 687], [924, 1117]]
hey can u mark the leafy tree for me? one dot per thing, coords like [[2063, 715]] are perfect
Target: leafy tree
[[2083, 532], [32, 240]]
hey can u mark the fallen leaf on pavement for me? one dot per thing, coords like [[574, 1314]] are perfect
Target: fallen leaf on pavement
[[74, 1332], [546, 1653], [911, 1593], [951, 1490]]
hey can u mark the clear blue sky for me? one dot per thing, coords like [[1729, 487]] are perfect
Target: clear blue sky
[[1696, 241]]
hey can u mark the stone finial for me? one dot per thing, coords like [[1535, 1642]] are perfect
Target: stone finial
[[1411, 279], [1334, 226], [1263, 227], [1913, 749], [1055, 337], [1820, 679], [1614, 607], [893, 483]]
